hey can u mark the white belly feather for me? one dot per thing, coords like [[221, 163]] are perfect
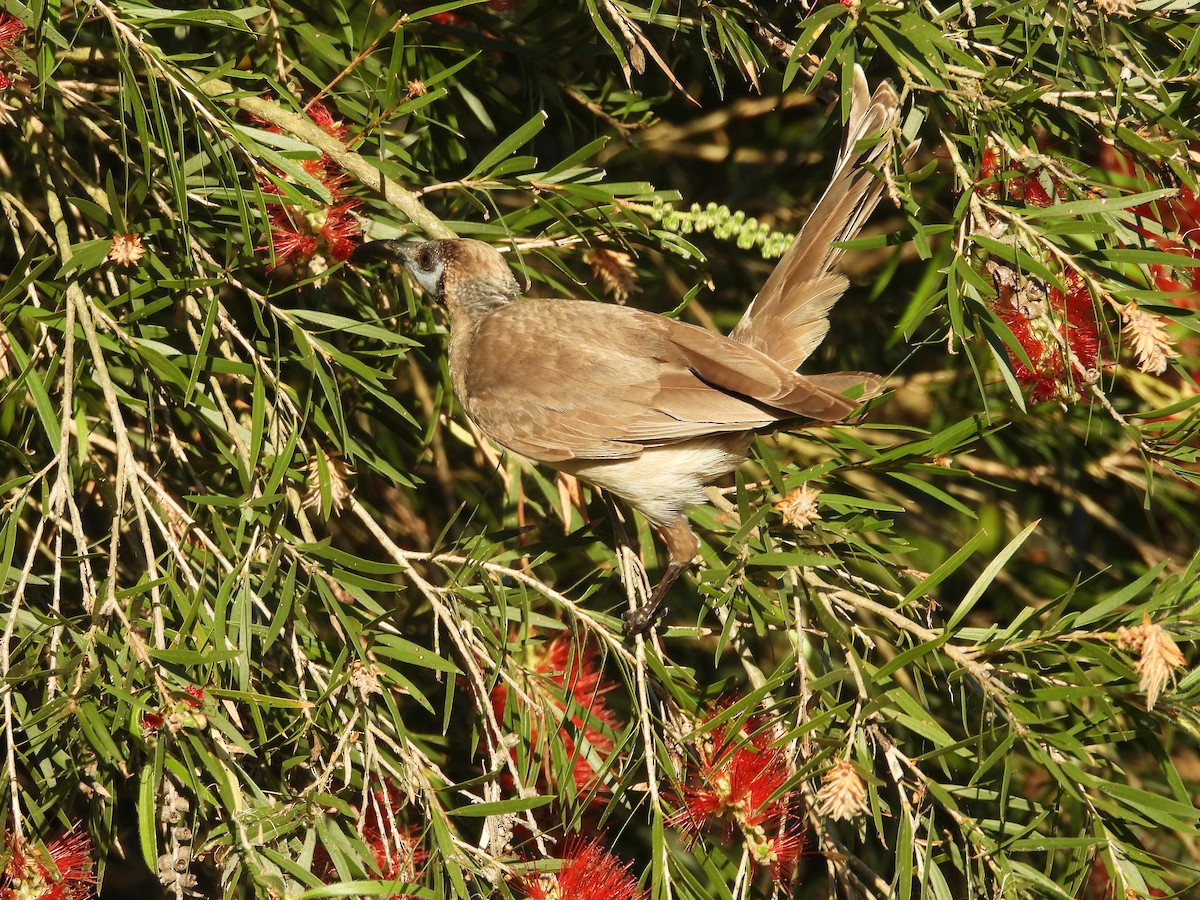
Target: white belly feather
[[664, 481]]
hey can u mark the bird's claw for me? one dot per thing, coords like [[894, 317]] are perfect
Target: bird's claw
[[643, 619]]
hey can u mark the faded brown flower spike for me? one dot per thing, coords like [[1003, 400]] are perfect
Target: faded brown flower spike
[[339, 474], [127, 249], [614, 270], [1160, 657], [799, 507], [1147, 335], [843, 793]]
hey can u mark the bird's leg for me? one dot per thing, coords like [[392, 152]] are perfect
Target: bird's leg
[[681, 547]]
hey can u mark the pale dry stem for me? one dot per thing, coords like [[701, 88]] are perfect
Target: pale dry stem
[[469, 649]]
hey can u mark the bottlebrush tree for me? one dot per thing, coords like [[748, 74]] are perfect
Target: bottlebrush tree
[[277, 620]]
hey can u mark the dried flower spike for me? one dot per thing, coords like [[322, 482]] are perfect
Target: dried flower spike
[[338, 474], [127, 249], [799, 508], [1147, 334], [614, 270], [1160, 657], [843, 793], [364, 678]]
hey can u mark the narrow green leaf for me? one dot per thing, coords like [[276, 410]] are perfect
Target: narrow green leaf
[[500, 807], [989, 574], [508, 146]]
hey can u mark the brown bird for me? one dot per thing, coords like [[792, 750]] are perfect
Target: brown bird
[[644, 406]]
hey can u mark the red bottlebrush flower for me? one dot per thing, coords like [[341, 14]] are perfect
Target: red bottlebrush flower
[[1058, 332], [1179, 217], [289, 241], [296, 237], [341, 231], [1030, 190], [781, 852], [152, 721], [396, 848], [735, 778], [317, 111], [569, 670], [398, 854], [986, 183], [989, 163], [448, 18], [321, 116], [182, 712], [589, 872], [11, 29], [325, 171], [1035, 188], [736, 782], [63, 870]]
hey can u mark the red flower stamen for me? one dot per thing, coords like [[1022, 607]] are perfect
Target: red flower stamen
[[291, 241], [62, 871], [572, 672], [396, 848], [589, 872], [1059, 334], [11, 29], [1179, 218], [1033, 188], [152, 721], [737, 782], [296, 236], [341, 231], [448, 18]]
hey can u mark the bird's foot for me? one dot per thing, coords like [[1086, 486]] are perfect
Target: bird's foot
[[645, 617], [642, 619]]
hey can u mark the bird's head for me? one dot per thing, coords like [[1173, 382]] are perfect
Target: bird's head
[[467, 275]]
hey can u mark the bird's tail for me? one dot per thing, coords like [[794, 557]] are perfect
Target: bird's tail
[[790, 316]]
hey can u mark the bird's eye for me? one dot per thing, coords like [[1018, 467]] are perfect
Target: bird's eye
[[425, 258]]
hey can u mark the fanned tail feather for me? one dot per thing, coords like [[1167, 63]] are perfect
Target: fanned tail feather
[[790, 316]]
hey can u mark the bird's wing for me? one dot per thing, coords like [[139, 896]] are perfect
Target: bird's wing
[[556, 380], [732, 366]]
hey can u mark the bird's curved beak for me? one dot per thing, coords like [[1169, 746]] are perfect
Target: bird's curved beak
[[377, 250]]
